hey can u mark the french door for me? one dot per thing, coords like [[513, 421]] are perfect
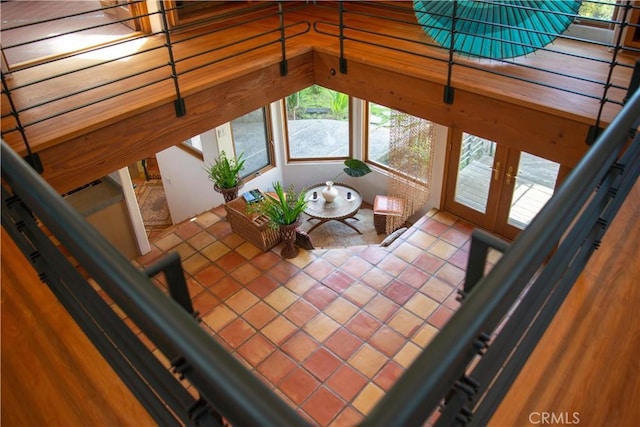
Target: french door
[[500, 189]]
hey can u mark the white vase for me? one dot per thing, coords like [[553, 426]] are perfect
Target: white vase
[[329, 192]]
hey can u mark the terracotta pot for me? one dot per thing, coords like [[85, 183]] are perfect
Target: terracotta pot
[[288, 234]]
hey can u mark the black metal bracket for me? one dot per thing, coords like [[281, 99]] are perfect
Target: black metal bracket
[[481, 242], [449, 91], [203, 414], [181, 108], [172, 268], [34, 160], [592, 135], [343, 65]]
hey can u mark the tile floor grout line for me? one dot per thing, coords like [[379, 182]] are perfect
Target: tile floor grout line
[[282, 273]]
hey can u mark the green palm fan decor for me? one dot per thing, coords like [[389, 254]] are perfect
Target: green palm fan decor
[[495, 29]]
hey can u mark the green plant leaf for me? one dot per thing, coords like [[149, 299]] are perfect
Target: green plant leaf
[[356, 168], [284, 208], [225, 172]]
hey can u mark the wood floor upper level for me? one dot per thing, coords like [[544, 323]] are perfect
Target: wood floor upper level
[[234, 66]]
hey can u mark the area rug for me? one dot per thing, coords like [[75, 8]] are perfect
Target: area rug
[[153, 205], [334, 234]]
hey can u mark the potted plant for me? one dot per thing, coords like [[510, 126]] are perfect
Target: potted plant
[[225, 175], [354, 168], [283, 209]]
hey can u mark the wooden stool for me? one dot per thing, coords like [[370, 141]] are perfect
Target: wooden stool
[[384, 206]]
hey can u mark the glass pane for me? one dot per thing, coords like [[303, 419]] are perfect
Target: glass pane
[[600, 9], [401, 142], [474, 172], [250, 137], [318, 123], [534, 187], [379, 136], [195, 143]]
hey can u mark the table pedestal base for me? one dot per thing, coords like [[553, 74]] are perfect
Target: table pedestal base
[[342, 220]]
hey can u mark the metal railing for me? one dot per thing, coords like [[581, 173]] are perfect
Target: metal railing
[[461, 388], [351, 30], [216, 374], [166, 68], [157, 71], [475, 365]]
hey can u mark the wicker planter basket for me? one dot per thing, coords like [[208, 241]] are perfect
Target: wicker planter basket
[[288, 235], [251, 227]]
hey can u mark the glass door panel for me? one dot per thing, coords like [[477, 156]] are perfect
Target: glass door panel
[[475, 168], [496, 187], [534, 185]]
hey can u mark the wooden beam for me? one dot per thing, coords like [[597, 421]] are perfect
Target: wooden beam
[[102, 151]]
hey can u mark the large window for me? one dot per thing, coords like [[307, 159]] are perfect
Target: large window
[[317, 124], [399, 142], [252, 136], [378, 135], [597, 13]]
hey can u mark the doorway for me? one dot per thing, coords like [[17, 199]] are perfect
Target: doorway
[[497, 187]]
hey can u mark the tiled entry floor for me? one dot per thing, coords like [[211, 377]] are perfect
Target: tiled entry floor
[[331, 330]]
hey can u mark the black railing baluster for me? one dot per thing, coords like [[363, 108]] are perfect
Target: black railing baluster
[[32, 158], [343, 60], [179, 105], [449, 90], [172, 268], [595, 130], [140, 370], [481, 242], [284, 67]]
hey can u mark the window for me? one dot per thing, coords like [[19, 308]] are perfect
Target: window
[[251, 135], [378, 135], [399, 142], [193, 146], [194, 143], [597, 13], [317, 124]]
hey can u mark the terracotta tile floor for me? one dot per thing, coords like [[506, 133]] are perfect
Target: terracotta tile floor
[[331, 330]]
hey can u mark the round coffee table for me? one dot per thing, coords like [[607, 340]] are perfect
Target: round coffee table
[[345, 206]]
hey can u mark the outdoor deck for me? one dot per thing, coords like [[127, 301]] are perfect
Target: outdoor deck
[[534, 187]]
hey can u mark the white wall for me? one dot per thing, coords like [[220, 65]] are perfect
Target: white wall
[[186, 183], [601, 35], [122, 177]]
